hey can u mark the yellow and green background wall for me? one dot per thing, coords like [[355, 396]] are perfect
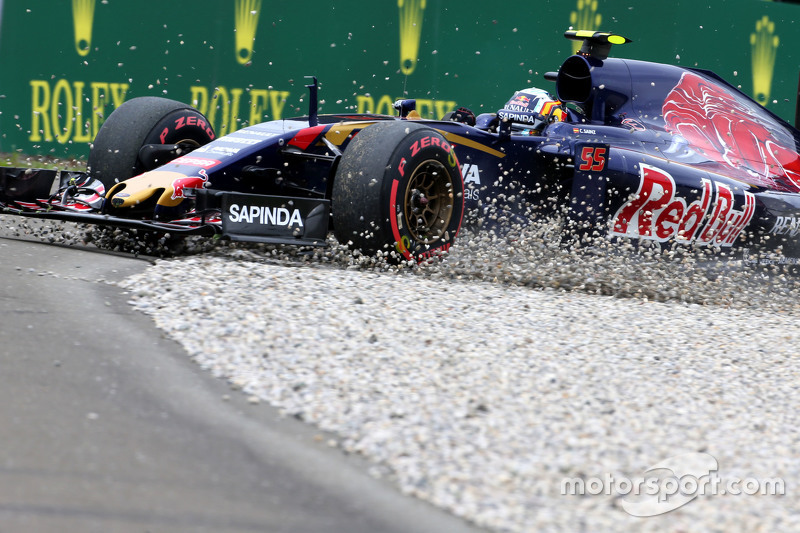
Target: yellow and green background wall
[[66, 64]]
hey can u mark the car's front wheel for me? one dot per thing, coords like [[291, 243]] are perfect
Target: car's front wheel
[[398, 188]]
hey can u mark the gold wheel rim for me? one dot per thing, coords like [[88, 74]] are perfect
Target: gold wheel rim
[[428, 202]]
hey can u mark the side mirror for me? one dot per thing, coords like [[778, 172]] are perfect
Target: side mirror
[[405, 107]]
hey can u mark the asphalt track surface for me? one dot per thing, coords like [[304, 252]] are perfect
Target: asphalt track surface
[[107, 426]]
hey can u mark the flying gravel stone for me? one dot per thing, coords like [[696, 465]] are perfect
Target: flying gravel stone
[[684, 165]]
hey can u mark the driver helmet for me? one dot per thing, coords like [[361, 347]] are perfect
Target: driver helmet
[[530, 110]]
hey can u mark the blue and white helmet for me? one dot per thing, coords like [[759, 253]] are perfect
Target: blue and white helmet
[[531, 109]]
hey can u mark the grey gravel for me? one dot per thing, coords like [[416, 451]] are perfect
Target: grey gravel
[[481, 382]]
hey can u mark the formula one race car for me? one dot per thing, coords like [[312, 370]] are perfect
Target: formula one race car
[[630, 150]]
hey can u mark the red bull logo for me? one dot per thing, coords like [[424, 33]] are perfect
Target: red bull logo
[[657, 213], [522, 100], [180, 185]]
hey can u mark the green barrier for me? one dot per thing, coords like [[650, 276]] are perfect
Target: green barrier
[[67, 65]]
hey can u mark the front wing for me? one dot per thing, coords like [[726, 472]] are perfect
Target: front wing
[[56, 195]]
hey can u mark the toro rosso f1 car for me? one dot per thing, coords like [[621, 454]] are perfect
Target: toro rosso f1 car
[[630, 150]]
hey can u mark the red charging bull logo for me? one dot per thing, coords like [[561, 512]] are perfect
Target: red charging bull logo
[[180, 185], [657, 213], [522, 100]]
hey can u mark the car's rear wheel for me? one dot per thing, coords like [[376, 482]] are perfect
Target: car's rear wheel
[[398, 188], [128, 141]]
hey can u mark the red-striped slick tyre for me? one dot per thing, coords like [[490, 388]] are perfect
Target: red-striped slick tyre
[[398, 189], [146, 120]]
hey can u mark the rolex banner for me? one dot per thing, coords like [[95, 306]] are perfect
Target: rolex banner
[[67, 64]]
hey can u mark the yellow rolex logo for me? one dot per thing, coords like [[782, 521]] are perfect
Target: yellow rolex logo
[[411, 12], [585, 18], [82, 19], [764, 44], [246, 21]]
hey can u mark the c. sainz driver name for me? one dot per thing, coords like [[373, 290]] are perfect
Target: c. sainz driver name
[[268, 216]]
